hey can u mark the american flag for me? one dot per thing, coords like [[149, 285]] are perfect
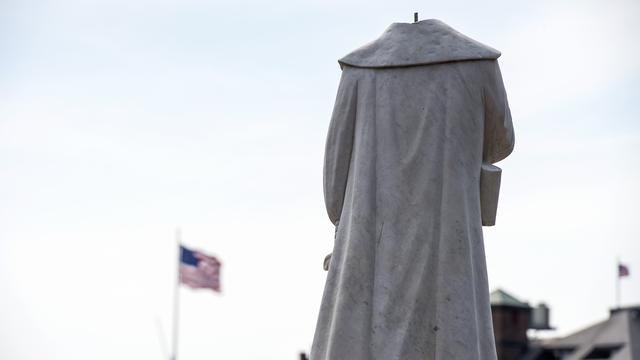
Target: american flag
[[623, 270], [198, 270]]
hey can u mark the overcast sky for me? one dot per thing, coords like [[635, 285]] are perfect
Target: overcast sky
[[121, 120]]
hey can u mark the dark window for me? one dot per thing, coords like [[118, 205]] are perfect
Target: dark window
[[603, 352]]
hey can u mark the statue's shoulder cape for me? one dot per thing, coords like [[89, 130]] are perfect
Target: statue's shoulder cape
[[422, 43]]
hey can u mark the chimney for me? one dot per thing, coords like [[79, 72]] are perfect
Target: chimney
[[511, 319]]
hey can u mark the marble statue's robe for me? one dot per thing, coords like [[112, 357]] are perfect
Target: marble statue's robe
[[418, 112]]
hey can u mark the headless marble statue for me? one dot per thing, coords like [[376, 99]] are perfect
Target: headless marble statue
[[420, 117]]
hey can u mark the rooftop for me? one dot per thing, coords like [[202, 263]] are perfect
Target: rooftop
[[615, 338], [500, 297]]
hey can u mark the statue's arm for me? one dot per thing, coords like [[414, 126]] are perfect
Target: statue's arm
[[340, 137], [498, 142], [498, 127]]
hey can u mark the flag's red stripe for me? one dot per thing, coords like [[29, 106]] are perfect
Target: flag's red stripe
[[205, 275]]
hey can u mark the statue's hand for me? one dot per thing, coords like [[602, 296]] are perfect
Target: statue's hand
[[327, 261]]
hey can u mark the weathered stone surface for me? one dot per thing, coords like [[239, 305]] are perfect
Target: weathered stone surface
[[418, 112], [490, 176]]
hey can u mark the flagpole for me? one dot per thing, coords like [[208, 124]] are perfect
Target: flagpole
[[617, 282], [176, 301]]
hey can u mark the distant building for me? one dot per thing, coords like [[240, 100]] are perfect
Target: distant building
[[617, 338], [511, 320]]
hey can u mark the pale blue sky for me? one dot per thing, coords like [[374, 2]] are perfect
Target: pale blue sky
[[120, 120]]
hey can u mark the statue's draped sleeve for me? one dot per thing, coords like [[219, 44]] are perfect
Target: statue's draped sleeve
[[497, 143], [338, 150], [498, 128]]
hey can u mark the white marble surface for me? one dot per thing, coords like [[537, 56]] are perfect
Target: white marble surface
[[418, 112]]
